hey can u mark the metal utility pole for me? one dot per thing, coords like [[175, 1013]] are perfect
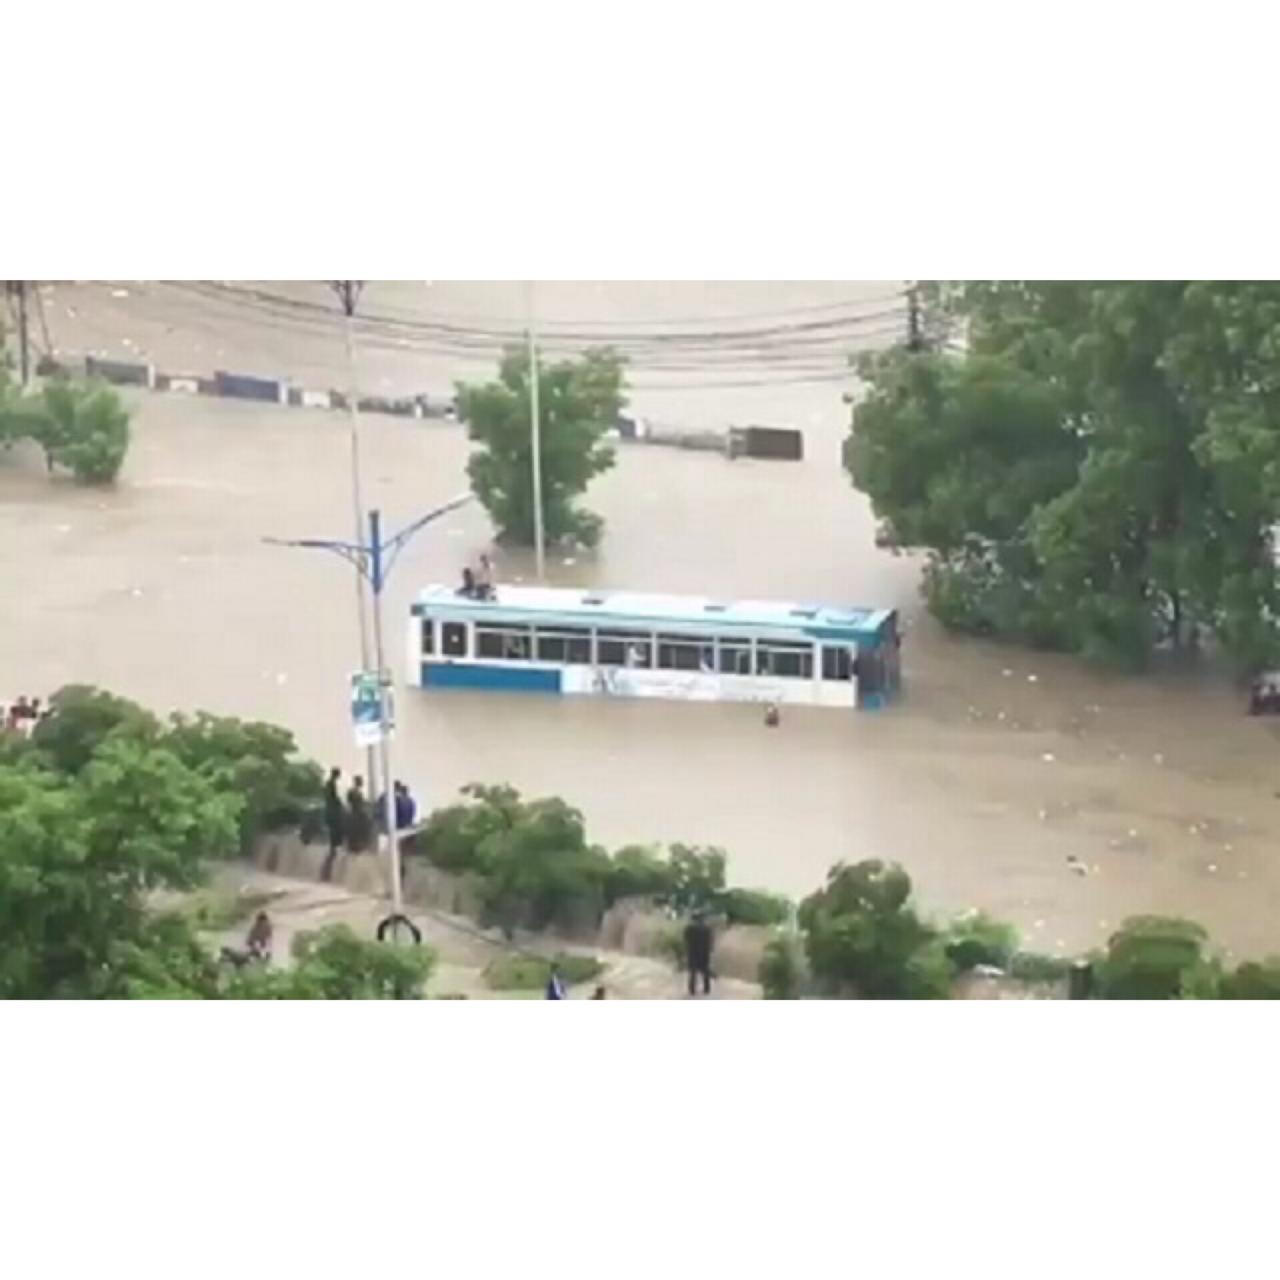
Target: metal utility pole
[[374, 561], [348, 293], [18, 289], [535, 441], [915, 329]]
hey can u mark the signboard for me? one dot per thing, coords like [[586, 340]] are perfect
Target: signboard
[[366, 709]]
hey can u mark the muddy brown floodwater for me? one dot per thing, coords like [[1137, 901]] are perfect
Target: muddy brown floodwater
[[1026, 785]]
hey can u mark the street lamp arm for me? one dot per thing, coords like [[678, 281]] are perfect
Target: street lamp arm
[[394, 545], [350, 552]]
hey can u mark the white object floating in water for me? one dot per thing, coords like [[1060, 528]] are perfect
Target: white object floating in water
[[135, 591], [1048, 757], [119, 293], [1158, 757], [1044, 814], [1006, 672], [1039, 924], [1133, 835], [569, 560], [1031, 679], [282, 677], [1213, 866]]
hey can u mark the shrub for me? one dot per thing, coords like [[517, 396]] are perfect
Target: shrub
[[782, 969], [1254, 980], [639, 871], [524, 972], [979, 939], [334, 963], [1156, 958], [755, 906], [541, 872], [451, 837], [861, 934]]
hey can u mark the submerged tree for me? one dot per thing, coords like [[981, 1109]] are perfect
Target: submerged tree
[[579, 402], [1098, 472]]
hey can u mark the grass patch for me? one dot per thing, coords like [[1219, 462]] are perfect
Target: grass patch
[[530, 973]]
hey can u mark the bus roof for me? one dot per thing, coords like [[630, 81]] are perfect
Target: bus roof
[[622, 608]]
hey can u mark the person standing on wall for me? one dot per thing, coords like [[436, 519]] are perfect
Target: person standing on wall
[[359, 823], [334, 821]]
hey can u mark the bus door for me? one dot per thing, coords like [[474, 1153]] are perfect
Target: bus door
[[869, 670]]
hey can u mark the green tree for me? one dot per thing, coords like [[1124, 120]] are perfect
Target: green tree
[[1157, 958], [863, 936], [639, 871], [79, 855], [1100, 472], [84, 427], [81, 718], [255, 761], [579, 401], [698, 879]]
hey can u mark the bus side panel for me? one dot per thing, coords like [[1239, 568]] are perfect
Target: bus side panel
[[476, 675]]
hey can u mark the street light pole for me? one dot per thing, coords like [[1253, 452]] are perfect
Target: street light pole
[[348, 292], [374, 561], [392, 847], [535, 440]]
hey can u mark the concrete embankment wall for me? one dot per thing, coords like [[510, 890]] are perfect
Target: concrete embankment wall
[[632, 927], [760, 443]]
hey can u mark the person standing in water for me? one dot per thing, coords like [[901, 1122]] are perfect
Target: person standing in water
[[334, 821]]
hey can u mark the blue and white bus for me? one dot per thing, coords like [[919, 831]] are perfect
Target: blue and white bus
[[622, 644]]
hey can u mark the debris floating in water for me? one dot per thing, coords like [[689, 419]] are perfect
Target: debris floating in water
[[119, 293], [1033, 678], [1213, 866], [1158, 757], [1048, 757], [1007, 672], [569, 560]]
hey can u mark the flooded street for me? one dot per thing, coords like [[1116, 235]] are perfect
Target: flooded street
[[1026, 785]]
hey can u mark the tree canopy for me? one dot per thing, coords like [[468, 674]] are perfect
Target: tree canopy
[[1097, 471], [579, 401]]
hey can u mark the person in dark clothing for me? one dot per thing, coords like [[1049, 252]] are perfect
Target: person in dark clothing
[[359, 821], [468, 587], [599, 994], [334, 821], [555, 985], [258, 943], [406, 807], [697, 953]]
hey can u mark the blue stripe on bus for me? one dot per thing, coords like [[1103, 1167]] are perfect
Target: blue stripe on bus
[[458, 675]]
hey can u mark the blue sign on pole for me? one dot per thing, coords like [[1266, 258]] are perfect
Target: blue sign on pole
[[366, 710]]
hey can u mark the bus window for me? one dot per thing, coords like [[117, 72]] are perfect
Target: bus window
[[428, 638], [836, 662], [624, 649], [508, 644], [735, 657], [680, 653], [454, 639], [564, 644], [788, 661]]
